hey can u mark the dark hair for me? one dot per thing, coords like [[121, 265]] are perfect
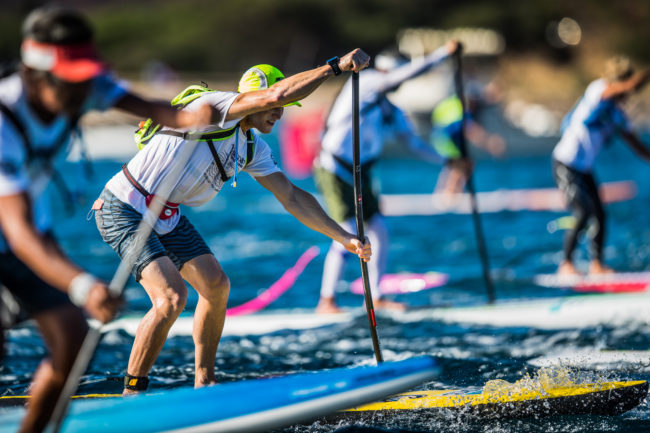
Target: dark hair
[[618, 68], [57, 25]]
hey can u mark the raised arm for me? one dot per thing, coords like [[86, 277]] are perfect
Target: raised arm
[[288, 90], [394, 78], [293, 88], [636, 145], [618, 88], [163, 113], [308, 211]]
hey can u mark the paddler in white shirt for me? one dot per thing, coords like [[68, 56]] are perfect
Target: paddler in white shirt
[[595, 121], [175, 252], [379, 120]]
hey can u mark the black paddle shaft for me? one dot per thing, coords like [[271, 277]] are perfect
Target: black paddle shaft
[[480, 238], [358, 208]]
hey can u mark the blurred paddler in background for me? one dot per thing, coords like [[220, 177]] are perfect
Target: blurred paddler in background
[[379, 121], [60, 78], [595, 121]]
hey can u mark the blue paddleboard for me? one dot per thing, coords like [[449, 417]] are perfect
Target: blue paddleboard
[[252, 405]]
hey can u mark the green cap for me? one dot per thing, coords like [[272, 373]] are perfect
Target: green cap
[[261, 77]]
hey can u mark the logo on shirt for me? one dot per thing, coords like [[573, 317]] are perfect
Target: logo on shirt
[[213, 177]]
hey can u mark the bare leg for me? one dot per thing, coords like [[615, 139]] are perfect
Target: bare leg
[[204, 273], [332, 270], [449, 186], [168, 294], [327, 306], [441, 182], [455, 182], [386, 304], [451, 181], [378, 235], [63, 330]]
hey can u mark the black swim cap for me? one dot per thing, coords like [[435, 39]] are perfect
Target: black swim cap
[[57, 25]]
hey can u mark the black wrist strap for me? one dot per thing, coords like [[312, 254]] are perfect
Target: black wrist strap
[[334, 64]]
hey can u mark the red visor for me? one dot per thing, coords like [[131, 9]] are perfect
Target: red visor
[[73, 63]]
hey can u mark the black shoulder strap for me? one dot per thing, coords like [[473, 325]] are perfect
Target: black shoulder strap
[[250, 153], [250, 146], [56, 176], [63, 138], [200, 136], [213, 151], [9, 114], [31, 153]]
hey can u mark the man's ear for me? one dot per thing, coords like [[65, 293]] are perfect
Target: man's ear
[[32, 77]]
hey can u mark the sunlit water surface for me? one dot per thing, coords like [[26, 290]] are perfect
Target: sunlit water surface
[[255, 241]]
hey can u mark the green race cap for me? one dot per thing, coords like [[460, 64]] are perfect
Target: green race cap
[[261, 77]]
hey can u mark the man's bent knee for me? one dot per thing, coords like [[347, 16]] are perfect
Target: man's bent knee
[[219, 287], [172, 303]]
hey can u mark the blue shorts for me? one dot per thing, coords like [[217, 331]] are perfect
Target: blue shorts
[[118, 223], [32, 294]]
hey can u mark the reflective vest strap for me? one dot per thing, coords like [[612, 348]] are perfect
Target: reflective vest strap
[[215, 156], [46, 154], [250, 146], [19, 126], [31, 153], [202, 136], [208, 138]]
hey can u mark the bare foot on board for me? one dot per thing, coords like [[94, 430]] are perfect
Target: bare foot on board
[[383, 304], [598, 268], [567, 268], [327, 306]]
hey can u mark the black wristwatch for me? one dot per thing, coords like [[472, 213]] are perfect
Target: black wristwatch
[[334, 64]]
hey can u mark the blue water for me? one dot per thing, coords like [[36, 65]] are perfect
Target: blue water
[[255, 241]]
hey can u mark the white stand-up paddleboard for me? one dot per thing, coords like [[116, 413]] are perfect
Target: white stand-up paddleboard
[[251, 324], [567, 312], [596, 359], [624, 282], [542, 199]]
